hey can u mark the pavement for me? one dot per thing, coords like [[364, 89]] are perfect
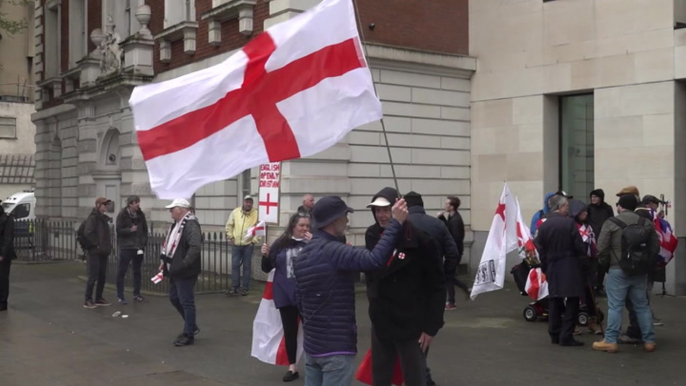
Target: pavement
[[48, 338]]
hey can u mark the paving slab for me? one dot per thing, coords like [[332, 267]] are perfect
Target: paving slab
[[48, 338]]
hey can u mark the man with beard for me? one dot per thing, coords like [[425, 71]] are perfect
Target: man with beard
[[406, 298]]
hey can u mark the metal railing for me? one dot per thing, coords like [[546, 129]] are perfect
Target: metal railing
[[44, 241]]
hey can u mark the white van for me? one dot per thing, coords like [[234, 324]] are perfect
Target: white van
[[21, 205]]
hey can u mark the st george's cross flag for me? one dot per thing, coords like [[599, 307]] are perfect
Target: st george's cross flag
[[293, 91], [268, 340], [259, 229], [536, 284], [502, 238]]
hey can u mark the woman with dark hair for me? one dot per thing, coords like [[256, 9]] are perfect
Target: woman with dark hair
[[579, 212], [281, 257]]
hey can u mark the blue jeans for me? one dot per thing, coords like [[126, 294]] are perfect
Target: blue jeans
[[181, 294], [241, 255], [335, 370], [619, 286]]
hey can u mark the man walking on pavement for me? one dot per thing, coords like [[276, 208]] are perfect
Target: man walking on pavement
[[181, 263], [7, 254], [132, 237], [561, 251], [98, 238], [326, 289], [452, 219], [240, 220], [308, 204], [628, 245], [407, 297]]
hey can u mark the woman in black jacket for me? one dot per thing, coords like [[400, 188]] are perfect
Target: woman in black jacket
[[280, 257]]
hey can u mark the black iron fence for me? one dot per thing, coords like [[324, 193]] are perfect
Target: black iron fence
[[43, 241]]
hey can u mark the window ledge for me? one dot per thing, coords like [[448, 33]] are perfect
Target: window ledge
[[186, 30], [243, 10], [54, 83], [71, 79]]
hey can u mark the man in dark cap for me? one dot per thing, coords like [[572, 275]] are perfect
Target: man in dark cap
[[406, 298], [624, 281], [598, 212], [326, 289]]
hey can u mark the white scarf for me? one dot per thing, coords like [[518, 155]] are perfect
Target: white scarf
[[171, 242]]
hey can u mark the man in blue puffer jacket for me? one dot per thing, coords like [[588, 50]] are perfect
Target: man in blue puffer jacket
[[326, 289]]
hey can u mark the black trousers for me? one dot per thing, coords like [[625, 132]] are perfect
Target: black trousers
[[4, 282], [589, 300], [97, 272], [289, 320], [384, 357], [562, 318], [451, 280], [126, 256]]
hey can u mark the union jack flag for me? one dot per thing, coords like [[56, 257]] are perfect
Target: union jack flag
[[668, 242]]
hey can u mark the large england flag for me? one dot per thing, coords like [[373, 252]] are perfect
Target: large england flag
[[268, 341], [293, 91]]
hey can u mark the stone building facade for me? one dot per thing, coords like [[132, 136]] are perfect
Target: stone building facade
[[86, 144], [17, 132], [578, 95]]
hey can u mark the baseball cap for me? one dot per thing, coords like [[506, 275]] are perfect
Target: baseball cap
[[102, 201], [380, 201], [563, 194], [248, 197], [650, 199], [179, 203]]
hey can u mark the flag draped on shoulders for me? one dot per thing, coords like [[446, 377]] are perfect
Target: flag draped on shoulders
[[668, 241], [291, 92], [268, 340], [502, 238]]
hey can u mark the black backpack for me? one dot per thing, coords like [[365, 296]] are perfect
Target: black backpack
[[635, 238], [81, 237]]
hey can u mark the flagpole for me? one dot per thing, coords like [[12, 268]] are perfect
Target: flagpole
[[383, 124]]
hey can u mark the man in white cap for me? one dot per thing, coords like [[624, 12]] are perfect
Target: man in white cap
[[181, 263]]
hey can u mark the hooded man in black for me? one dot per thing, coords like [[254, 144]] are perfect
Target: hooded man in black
[[406, 299], [598, 212]]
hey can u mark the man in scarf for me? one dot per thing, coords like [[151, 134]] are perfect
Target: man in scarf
[[181, 263]]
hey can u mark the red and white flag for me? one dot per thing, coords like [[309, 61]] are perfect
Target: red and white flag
[[525, 243], [268, 341], [293, 91], [536, 284], [502, 238], [258, 230]]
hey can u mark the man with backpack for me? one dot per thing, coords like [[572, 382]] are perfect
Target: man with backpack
[[94, 237], [627, 245]]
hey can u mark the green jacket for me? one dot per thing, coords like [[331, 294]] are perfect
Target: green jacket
[[610, 239]]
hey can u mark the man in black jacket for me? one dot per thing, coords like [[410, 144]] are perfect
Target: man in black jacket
[[452, 219], [447, 250], [599, 212], [6, 256], [181, 263], [561, 250], [406, 298], [99, 240], [132, 237]]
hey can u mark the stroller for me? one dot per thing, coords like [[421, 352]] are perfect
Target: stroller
[[538, 309]]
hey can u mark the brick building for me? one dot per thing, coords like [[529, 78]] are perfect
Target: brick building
[[86, 145]]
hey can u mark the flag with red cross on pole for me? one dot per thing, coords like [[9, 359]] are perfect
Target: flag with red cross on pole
[[293, 91]]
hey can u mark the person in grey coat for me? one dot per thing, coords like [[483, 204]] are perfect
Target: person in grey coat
[[561, 250]]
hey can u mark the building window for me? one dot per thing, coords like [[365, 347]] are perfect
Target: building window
[[177, 11], [8, 127], [245, 184], [78, 40], [52, 39], [576, 145]]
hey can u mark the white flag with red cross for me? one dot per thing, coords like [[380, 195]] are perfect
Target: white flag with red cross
[[259, 229], [502, 238], [268, 340], [293, 91]]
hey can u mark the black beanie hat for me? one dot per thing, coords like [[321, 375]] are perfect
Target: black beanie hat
[[414, 199], [628, 201]]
